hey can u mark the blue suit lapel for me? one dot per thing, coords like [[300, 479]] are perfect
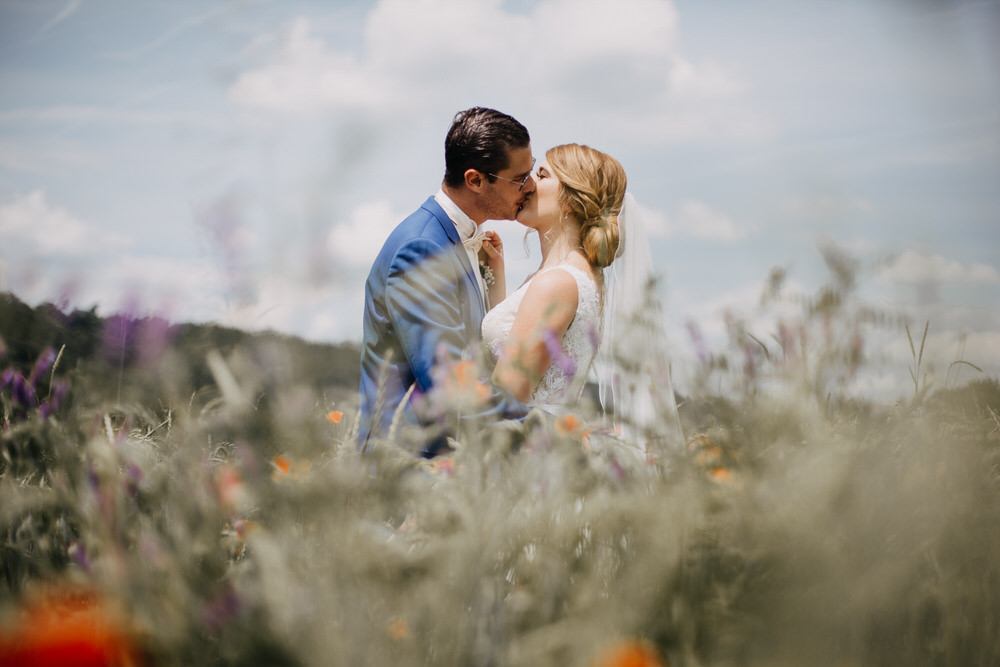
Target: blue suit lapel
[[452, 233]]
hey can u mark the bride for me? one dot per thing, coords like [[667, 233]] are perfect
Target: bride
[[545, 337]]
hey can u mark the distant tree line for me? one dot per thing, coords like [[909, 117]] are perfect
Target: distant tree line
[[124, 356]]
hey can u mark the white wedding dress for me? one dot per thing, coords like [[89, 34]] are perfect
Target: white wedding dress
[[579, 343]]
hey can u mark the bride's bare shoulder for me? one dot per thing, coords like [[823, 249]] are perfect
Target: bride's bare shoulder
[[553, 285]]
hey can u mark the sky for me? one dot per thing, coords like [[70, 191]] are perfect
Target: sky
[[242, 162]]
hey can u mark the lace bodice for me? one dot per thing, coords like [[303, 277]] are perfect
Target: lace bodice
[[579, 343]]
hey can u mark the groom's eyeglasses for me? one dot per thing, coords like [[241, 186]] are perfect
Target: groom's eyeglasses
[[520, 183]]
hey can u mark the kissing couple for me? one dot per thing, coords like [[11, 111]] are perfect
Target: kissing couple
[[436, 293]]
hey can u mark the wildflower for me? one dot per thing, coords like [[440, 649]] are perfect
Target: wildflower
[[786, 338], [442, 466], [79, 556], [562, 360], [133, 477], [630, 653], [152, 337], [68, 628], [59, 392], [23, 392], [225, 605], [116, 337], [462, 384], [244, 528], [571, 425], [283, 465], [721, 475], [284, 468], [750, 361], [594, 335], [334, 416], [708, 453], [44, 363], [398, 629], [230, 486], [697, 340]]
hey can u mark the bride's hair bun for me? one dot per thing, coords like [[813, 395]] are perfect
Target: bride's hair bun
[[593, 189]]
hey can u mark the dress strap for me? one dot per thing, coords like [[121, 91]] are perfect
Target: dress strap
[[581, 276]]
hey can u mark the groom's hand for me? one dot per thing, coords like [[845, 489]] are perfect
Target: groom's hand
[[493, 248], [492, 253]]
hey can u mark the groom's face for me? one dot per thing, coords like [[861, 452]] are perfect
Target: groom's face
[[503, 198]]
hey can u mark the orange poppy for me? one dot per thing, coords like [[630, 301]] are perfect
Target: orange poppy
[[572, 425], [630, 654], [68, 628], [284, 467], [443, 466], [398, 629], [283, 464]]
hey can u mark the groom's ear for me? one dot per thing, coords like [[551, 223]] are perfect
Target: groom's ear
[[474, 179]]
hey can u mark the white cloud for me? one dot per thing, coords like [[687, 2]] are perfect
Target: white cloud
[[303, 77], [357, 241], [320, 311], [31, 226], [701, 222], [607, 61], [912, 267], [694, 220]]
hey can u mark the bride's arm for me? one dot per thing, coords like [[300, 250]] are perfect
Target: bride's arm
[[493, 249], [546, 311]]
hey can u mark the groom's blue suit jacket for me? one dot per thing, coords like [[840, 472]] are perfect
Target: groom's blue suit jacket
[[422, 302]]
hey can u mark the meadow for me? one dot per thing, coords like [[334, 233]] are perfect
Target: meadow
[[206, 505]]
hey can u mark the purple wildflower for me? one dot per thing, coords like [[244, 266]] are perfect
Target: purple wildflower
[[697, 340], [42, 365], [225, 605], [594, 335], [116, 336], [786, 338], [59, 391], [246, 458], [133, 476], [750, 365], [23, 391], [562, 360], [617, 472], [153, 336], [79, 556]]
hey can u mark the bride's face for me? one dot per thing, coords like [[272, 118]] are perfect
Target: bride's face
[[541, 211]]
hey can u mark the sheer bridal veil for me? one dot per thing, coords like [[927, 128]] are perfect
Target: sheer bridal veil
[[633, 367]]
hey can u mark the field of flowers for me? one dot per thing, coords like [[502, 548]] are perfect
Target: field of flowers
[[239, 525]]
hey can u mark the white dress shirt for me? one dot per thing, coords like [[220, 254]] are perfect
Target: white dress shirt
[[467, 228]]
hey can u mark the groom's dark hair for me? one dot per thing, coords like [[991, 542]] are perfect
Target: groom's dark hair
[[480, 139]]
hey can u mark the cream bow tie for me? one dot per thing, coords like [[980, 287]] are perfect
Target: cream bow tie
[[475, 241]]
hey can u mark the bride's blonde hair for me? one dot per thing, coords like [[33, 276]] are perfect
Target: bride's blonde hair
[[592, 190]]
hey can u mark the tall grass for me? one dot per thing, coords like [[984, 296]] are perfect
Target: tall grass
[[801, 525]]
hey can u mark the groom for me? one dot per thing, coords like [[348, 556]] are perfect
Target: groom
[[424, 300]]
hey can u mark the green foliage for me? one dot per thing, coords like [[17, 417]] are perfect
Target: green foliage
[[238, 523]]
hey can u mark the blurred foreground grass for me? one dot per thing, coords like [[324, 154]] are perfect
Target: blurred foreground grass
[[239, 525]]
